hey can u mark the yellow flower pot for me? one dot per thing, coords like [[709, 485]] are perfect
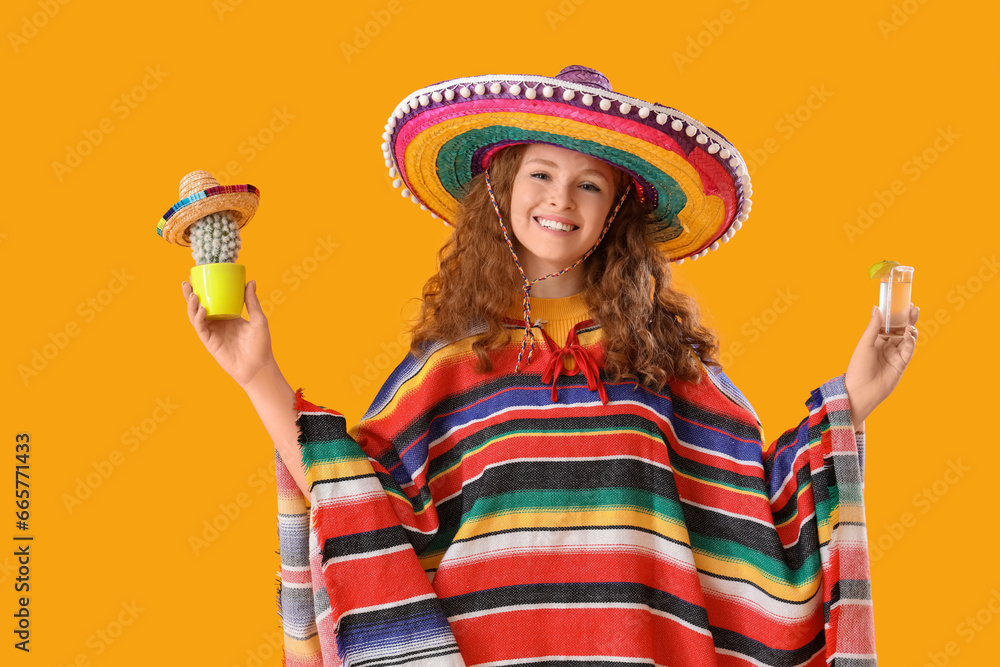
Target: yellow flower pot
[[220, 289]]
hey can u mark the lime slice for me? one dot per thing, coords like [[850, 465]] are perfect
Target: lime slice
[[881, 269]]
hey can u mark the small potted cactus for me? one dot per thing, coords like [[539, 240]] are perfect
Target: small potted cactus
[[216, 278], [208, 218]]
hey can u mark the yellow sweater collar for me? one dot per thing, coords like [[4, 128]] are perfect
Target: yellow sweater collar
[[557, 316]]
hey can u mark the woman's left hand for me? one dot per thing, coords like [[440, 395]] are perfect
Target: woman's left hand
[[877, 365]]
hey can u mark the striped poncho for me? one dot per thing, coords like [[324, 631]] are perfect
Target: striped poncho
[[496, 519]]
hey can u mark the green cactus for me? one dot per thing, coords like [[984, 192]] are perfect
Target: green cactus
[[215, 238]]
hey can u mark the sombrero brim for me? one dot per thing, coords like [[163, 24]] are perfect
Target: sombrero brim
[[693, 181], [241, 199]]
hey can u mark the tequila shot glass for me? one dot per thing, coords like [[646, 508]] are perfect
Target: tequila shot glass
[[894, 296]]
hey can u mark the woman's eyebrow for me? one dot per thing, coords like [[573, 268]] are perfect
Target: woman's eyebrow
[[549, 163]]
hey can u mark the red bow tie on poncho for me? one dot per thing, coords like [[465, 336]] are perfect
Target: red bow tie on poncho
[[584, 361]]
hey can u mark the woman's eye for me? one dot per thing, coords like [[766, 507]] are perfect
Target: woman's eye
[[590, 187]]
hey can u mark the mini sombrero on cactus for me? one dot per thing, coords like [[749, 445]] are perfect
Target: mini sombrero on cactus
[[202, 195], [690, 177]]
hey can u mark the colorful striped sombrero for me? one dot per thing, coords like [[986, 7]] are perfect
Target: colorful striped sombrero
[[201, 195], [690, 177]]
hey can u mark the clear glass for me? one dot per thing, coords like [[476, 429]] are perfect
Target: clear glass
[[894, 296]]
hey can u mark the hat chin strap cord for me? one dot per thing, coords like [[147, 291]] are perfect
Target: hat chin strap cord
[[529, 340]]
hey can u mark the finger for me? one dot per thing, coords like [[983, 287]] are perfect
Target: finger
[[196, 314], [192, 305], [185, 289], [914, 313], [870, 336], [254, 309], [908, 345]]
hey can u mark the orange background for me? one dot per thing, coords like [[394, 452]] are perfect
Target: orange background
[[892, 78]]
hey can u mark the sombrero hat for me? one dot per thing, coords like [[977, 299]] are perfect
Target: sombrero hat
[[691, 179], [201, 195]]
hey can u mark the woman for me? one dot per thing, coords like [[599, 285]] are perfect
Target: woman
[[594, 491]]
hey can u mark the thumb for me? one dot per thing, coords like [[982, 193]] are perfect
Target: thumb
[[253, 304], [874, 325]]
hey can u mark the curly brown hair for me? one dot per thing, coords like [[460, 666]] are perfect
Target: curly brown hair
[[651, 332]]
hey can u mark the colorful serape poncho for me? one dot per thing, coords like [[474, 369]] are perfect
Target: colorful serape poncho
[[469, 519]]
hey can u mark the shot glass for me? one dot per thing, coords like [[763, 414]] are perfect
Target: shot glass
[[894, 296]]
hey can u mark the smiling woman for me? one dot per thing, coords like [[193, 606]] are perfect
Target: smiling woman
[[608, 500]]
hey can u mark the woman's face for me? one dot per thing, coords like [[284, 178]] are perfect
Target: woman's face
[[560, 201]]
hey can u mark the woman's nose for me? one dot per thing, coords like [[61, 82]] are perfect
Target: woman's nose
[[561, 196]]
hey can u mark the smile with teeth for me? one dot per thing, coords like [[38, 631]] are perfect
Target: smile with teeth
[[552, 224]]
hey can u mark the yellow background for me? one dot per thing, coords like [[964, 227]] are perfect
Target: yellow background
[[893, 76]]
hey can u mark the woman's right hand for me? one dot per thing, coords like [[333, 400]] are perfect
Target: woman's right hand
[[241, 347]]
